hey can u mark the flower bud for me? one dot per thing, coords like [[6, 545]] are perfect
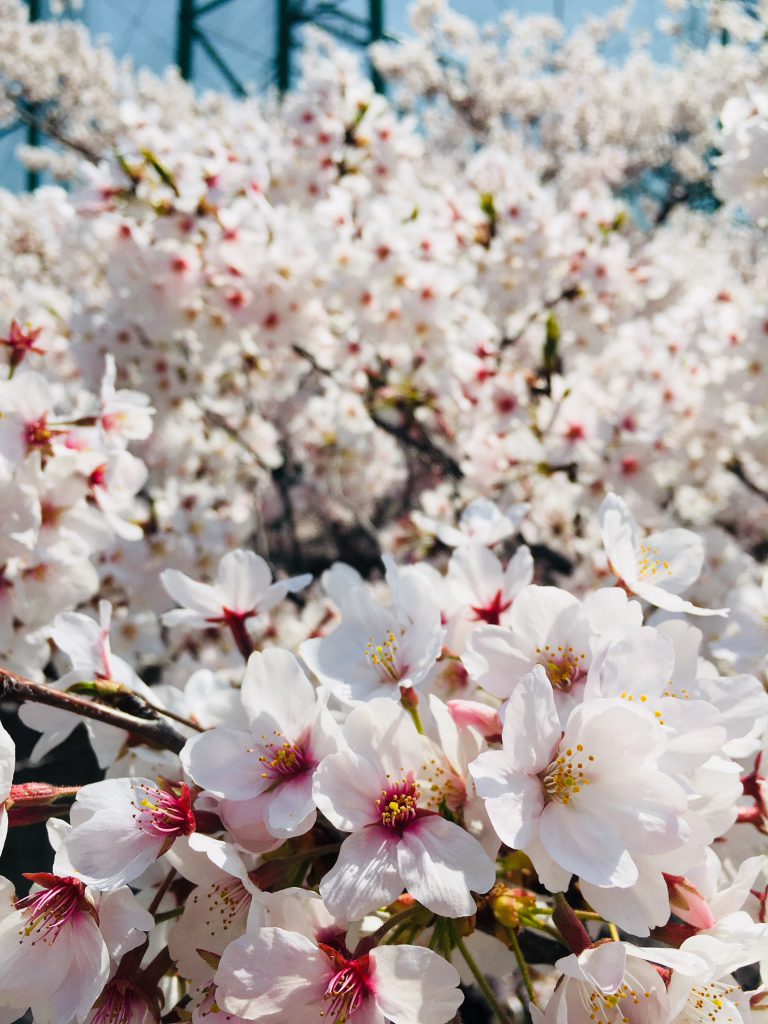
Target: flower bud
[[510, 905]]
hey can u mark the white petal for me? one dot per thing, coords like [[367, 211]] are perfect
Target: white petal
[[191, 594], [108, 851], [514, 813], [123, 921], [224, 761], [242, 579], [269, 972], [346, 788], [290, 809], [7, 763], [365, 876], [531, 724], [620, 538], [585, 845], [683, 553], [413, 985], [275, 683], [440, 863]]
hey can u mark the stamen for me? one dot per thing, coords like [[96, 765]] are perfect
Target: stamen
[[566, 775], [165, 814], [650, 565], [348, 987], [397, 804], [563, 665], [384, 657], [45, 913]]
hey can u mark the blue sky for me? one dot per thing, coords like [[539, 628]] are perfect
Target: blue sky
[[243, 32]]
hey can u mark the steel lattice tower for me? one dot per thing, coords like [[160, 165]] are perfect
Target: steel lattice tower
[[337, 17]]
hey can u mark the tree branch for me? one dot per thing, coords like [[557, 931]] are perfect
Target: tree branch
[[152, 730], [735, 467], [568, 294]]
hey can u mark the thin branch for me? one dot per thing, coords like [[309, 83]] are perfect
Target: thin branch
[[153, 731], [215, 419], [420, 442], [567, 293], [735, 467], [48, 128]]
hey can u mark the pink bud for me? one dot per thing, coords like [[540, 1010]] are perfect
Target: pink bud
[[687, 903], [469, 713]]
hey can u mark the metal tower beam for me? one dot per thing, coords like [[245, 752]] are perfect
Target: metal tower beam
[[191, 36], [33, 130], [335, 17]]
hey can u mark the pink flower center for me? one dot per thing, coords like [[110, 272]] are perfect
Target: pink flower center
[[284, 759], [61, 902], [397, 804], [38, 435], [165, 814], [121, 1003], [348, 987], [492, 611]]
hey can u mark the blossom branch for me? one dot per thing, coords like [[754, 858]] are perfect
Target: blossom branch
[[152, 730]]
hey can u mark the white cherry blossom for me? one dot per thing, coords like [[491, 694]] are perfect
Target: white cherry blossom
[[580, 801], [378, 650], [657, 568]]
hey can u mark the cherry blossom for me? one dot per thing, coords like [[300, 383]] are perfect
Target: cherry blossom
[[243, 590], [372, 789], [504, 325], [657, 568], [579, 801], [56, 944], [288, 976], [616, 982], [121, 826], [270, 769], [378, 650]]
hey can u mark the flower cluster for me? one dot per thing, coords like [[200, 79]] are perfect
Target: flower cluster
[[461, 765], [384, 489]]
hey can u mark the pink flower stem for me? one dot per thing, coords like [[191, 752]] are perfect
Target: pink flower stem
[[240, 634]]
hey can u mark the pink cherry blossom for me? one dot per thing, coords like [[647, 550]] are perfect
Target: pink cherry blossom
[[371, 788], [56, 944], [243, 591], [121, 826], [269, 769], [286, 976]]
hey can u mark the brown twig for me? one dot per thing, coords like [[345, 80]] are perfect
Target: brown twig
[[154, 730], [569, 294]]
